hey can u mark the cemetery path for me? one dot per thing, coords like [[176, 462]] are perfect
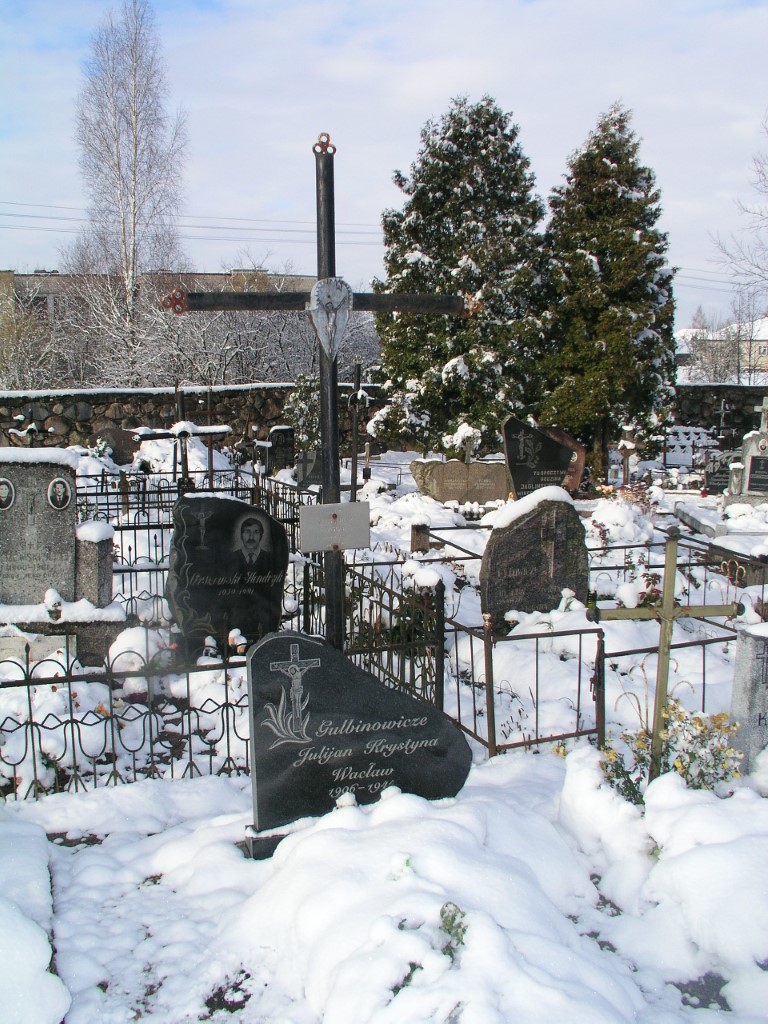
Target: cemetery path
[[137, 915]]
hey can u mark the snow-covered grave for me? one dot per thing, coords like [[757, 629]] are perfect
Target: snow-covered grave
[[538, 892]]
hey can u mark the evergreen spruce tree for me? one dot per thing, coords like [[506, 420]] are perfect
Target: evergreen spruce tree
[[468, 226], [609, 353]]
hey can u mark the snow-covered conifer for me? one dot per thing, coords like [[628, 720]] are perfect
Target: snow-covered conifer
[[468, 226], [608, 359]]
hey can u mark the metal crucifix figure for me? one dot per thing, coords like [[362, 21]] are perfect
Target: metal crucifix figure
[[330, 304]]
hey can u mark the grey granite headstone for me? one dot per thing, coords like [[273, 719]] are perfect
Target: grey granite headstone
[[322, 727], [227, 568], [534, 460], [467, 483], [749, 699], [38, 514], [94, 570], [527, 563]]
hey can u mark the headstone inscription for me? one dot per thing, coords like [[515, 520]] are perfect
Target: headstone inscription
[[467, 483], [322, 727], [531, 558], [534, 460], [749, 700], [717, 473], [227, 568]]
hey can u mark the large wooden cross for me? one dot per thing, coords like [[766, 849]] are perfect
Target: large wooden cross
[[329, 304], [666, 614]]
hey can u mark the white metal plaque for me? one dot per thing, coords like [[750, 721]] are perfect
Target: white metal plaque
[[335, 527]]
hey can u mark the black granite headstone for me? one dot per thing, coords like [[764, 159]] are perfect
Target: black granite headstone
[[322, 727], [527, 564], [282, 453], [717, 475], [533, 459], [227, 568], [758, 474]]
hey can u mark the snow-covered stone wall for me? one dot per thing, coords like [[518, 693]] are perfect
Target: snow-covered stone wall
[[61, 418]]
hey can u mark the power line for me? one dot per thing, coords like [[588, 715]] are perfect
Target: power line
[[191, 216]]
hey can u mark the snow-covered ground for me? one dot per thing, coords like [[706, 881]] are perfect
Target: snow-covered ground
[[537, 894]]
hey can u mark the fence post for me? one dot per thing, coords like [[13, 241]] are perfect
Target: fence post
[[305, 599], [439, 608], [665, 641], [490, 707], [599, 689]]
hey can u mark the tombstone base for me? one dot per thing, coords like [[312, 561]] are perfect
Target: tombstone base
[[93, 639], [745, 499], [261, 847]]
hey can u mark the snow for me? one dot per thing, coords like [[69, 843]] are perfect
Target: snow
[[71, 611], [514, 510], [95, 531], [350, 920], [47, 456], [536, 894]]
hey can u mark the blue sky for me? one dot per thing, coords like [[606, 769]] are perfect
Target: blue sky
[[260, 80]]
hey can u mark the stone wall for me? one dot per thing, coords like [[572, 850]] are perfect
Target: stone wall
[[700, 405], [80, 417]]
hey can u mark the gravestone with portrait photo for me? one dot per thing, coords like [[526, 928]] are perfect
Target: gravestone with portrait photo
[[322, 727], [48, 560], [227, 568], [38, 516]]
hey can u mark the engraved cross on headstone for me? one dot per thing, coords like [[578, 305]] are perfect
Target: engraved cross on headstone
[[553, 536], [295, 669], [762, 657], [330, 304]]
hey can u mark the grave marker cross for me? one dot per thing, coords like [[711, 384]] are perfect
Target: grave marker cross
[[330, 304], [666, 613]]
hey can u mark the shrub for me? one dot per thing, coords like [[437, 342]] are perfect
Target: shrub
[[696, 746]]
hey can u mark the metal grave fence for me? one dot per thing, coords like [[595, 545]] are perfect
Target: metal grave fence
[[143, 714]]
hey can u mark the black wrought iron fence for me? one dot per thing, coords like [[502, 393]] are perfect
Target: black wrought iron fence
[[141, 714], [63, 727], [66, 726]]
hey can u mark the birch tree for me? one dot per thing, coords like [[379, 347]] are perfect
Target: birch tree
[[131, 158]]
